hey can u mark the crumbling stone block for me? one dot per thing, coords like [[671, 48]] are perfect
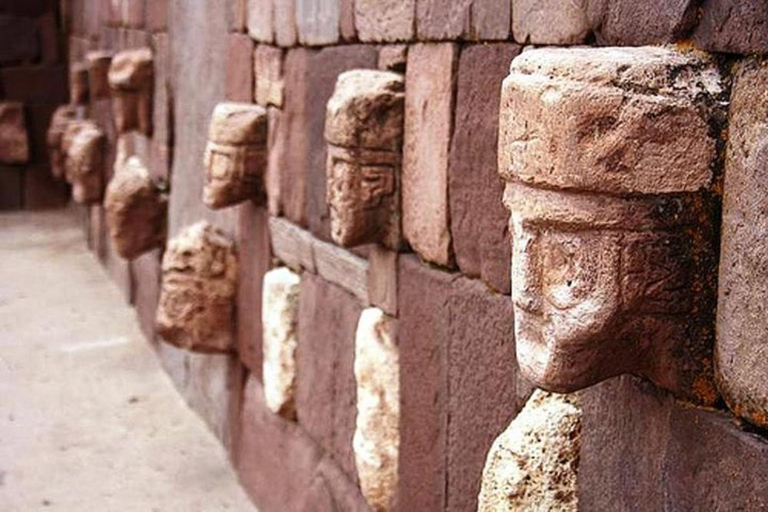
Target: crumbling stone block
[[429, 101], [733, 26], [385, 20], [62, 116], [742, 327], [268, 69], [534, 464], [136, 210], [131, 77], [236, 155], [559, 22], [197, 295], [280, 310], [364, 131], [78, 84], [608, 156], [14, 141], [85, 160], [98, 63], [377, 432]]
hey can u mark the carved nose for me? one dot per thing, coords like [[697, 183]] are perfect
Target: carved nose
[[526, 272]]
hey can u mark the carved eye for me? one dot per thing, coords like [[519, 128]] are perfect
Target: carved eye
[[378, 181], [569, 270]]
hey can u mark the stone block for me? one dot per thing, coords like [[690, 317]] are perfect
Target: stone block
[[136, 210], [423, 296], [382, 279], [429, 101], [377, 429], [479, 222], [268, 72], [254, 256], [145, 279], [624, 22], [11, 187], [343, 268], [239, 68], [35, 84], [280, 315], [235, 158], [237, 15], [292, 245], [14, 139], [560, 22], [385, 21], [277, 142], [393, 57], [85, 161], [197, 297], [18, 40], [534, 463], [285, 23], [733, 26], [98, 63], [570, 119], [48, 34], [162, 108], [476, 20], [741, 323], [260, 19], [325, 382], [28, 8], [364, 132], [78, 84], [332, 491], [317, 22], [133, 12], [157, 15], [131, 77], [347, 20]]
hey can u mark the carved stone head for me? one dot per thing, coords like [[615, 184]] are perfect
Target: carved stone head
[[98, 70], [78, 84], [236, 155], [364, 132], [63, 115], [136, 210], [608, 156], [197, 294], [84, 163], [131, 77]]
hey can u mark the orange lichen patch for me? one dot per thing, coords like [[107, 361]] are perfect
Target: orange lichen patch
[[704, 387]]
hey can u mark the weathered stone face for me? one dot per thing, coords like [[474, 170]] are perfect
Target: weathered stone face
[[84, 162], [280, 310], [14, 141], [98, 63], [607, 155], [131, 77], [364, 131], [236, 155], [136, 210], [54, 138], [377, 435], [197, 295], [533, 465], [78, 84]]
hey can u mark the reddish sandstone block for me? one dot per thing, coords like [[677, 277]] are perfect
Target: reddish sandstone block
[[18, 40], [157, 15], [35, 84], [133, 13], [268, 71], [239, 79], [162, 117], [428, 125], [468, 19], [260, 20], [625, 22], [325, 382], [393, 57], [145, 282], [277, 153], [382, 279], [285, 23], [385, 21], [347, 20], [560, 22], [237, 15], [317, 22], [733, 26], [332, 491], [478, 218]]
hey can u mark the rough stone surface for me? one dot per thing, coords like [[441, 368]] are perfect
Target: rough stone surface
[[136, 210], [478, 219], [468, 19], [285, 23], [236, 155], [342, 268], [382, 279], [292, 245], [393, 57], [14, 141], [742, 339], [377, 436], [533, 465], [268, 70], [277, 154], [733, 26], [385, 21], [239, 77], [364, 131], [18, 39], [429, 102], [325, 382], [131, 77], [260, 19], [624, 22], [558, 22], [98, 63], [196, 309], [85, 162], [632, 270], [317, 22], [280, 310]]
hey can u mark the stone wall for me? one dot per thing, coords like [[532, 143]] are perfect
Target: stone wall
[[674, 444]]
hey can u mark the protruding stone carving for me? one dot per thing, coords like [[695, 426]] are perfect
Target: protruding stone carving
[[131, 77], [364, 132], [533, 465], [280, 309], [377, 436], [136, 210], [78, 84], [14, 141], [98, 73], [197, 294], [63, 115], [236, 155], [84, 162], [608, 157]]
